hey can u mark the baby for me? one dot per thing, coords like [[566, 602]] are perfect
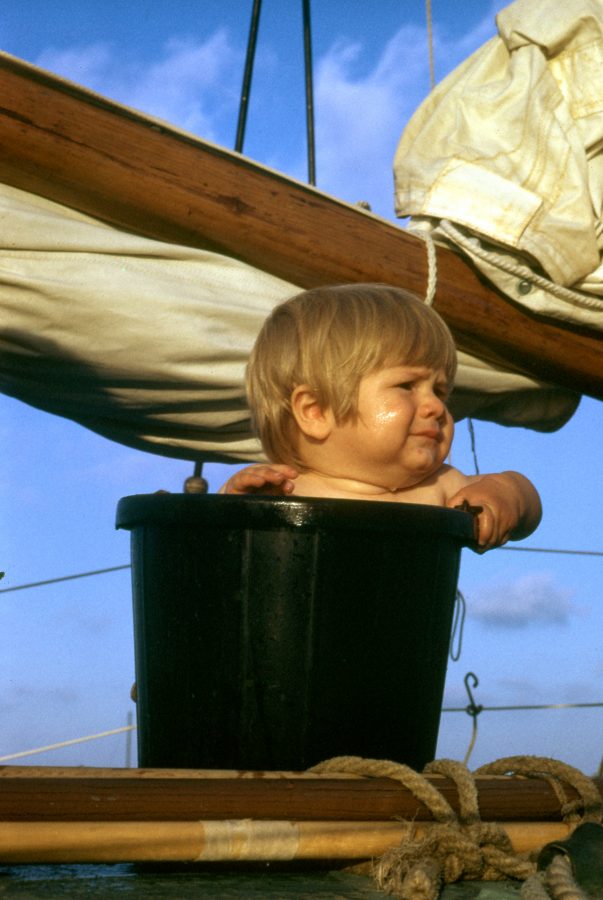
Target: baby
[[348, 387]]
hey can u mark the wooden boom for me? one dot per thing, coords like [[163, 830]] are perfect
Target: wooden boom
[[49, 794], [70, 145]]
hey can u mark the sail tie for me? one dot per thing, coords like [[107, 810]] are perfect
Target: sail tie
[[432, 263]]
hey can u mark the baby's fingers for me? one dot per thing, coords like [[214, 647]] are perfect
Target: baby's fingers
[[486, 528], [491, 532], [262, 479], [280, 477]]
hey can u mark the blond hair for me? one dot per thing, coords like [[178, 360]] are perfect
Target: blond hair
[[330, 338]]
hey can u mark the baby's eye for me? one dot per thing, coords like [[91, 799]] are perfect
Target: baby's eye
[[406, 385]]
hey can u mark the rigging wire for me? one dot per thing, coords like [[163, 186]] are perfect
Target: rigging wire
[[311, 144], [429, 17], [35, 584], [553, 550], [247, 75], [196, 483], [526, 706], [473, 444]]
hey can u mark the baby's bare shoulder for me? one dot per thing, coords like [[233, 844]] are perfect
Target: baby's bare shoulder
[[450, 474], [434, 490]]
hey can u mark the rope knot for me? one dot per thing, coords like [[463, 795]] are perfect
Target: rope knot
[[475, 852]]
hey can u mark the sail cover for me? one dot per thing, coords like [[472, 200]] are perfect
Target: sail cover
[[504, 160], [145, 341]]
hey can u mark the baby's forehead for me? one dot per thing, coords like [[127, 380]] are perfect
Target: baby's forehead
[[393, 372], [421, 368]]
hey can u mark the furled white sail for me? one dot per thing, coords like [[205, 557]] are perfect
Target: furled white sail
[[145, 342], [504, 160]]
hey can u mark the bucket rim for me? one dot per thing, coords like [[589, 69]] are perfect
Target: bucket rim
[[303, 513]]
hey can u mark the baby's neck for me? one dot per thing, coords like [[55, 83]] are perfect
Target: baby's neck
[[318, 484]]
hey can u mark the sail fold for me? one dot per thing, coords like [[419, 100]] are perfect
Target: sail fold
[[509, 149]]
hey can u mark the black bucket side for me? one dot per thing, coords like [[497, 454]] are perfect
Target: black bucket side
[[381, 647], [271, 635], [190, 686]]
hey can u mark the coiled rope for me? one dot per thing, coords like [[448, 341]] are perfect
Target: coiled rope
[[461, 846]]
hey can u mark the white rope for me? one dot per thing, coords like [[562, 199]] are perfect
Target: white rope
[[472, 246], [90, 737], [432, 264]]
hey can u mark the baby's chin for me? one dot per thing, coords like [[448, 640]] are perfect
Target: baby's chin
[[428, 461]]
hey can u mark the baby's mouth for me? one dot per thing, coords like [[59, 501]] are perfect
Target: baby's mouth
[[432, 433]]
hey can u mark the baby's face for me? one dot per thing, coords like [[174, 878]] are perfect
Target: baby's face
[[403, 430]]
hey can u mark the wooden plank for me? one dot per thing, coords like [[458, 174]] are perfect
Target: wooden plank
[[72, 146], [148, 797]]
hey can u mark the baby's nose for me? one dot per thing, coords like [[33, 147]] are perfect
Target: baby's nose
[[432, 404]]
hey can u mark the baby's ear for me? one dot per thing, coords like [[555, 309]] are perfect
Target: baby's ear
[[314, 421]]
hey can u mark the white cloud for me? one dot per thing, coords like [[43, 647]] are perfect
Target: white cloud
[[531, 599], [192, 84], [87, 65], [360, 119]]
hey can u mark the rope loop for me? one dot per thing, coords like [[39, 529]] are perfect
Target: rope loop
[[423, 790], [588, 807], [432, 263]]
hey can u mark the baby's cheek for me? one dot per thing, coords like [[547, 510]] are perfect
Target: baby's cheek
[[448, 434]]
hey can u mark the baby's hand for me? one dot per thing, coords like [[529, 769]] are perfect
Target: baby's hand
[[271, 479], [510, 507]]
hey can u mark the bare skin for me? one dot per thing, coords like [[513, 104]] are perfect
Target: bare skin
[[393, 451]]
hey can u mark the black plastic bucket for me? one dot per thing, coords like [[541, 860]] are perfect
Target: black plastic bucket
[[272, 633]]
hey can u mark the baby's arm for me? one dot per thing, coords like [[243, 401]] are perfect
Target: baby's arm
[[261, 479], [511, 507]]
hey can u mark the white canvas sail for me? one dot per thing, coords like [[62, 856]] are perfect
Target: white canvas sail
[[504, 160]]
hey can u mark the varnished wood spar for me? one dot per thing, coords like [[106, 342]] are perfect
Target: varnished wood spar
[[232, 840], [150, 795], [71, 145]]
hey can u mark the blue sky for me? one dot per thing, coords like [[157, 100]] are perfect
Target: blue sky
[[534, 624]]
